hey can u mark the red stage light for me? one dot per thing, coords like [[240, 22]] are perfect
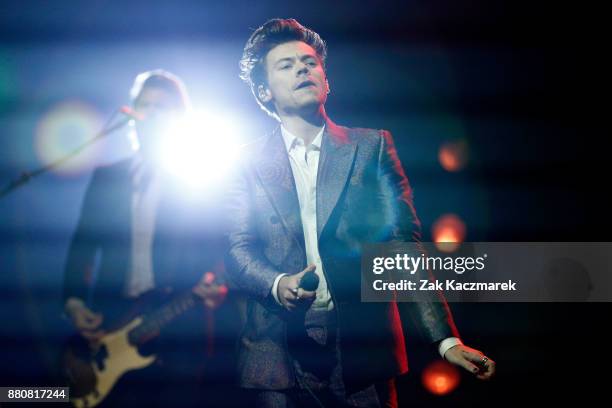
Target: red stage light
[[440, 378], [453, 155], [448, 228]]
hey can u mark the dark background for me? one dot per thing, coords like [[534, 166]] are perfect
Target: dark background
[[518, 82]]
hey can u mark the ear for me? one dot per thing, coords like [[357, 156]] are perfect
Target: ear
[[264, 94], [327, 86]]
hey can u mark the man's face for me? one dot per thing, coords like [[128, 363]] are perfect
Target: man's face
[[158, 108], [296, 81]]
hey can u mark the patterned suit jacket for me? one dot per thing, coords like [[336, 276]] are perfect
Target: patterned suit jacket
[[363, 196]]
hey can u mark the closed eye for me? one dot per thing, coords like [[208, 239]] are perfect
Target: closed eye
[[310, 61]]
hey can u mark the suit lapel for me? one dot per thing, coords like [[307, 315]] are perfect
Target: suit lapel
[[273, 169], [335, 166]]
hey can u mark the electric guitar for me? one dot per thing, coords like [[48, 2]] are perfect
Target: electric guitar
[[93, 371]]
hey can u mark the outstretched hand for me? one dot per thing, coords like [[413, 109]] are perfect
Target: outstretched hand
[[472, 360]]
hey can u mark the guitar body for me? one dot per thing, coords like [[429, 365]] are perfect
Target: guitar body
[[93, 370], [93, 376]]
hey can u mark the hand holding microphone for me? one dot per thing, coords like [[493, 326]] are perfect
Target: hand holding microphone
[[310, 280], [298, 289]]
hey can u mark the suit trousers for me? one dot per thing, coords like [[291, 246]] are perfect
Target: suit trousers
[[316, 359]]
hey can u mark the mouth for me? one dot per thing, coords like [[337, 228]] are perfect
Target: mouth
[[305, 84]]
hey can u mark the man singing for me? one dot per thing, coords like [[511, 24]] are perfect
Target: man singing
[[308, 197]]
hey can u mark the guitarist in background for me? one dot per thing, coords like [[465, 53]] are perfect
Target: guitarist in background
[[138, 239]]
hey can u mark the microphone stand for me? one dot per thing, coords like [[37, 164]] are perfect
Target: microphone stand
[[27, 176]]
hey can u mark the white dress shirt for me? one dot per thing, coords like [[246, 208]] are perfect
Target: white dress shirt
[[144, 203], [304, 162]]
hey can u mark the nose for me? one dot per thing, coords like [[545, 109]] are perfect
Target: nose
[[302, 68]]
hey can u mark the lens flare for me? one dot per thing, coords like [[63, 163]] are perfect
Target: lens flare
[[64, 128]]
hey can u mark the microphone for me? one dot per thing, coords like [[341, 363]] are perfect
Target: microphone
[[309, 281], [131, 113]]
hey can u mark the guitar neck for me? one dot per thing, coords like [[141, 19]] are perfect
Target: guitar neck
[[155, 321]]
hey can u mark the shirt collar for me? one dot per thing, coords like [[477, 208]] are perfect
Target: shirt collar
[[290, 139]]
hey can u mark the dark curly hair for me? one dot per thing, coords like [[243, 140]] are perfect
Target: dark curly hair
[[274, 32]]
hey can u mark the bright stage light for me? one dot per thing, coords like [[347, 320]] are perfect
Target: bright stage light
[[200, 148]]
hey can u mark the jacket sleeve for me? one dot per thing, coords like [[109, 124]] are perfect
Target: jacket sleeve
[[79, 269], [247, 267], [430, 312]]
